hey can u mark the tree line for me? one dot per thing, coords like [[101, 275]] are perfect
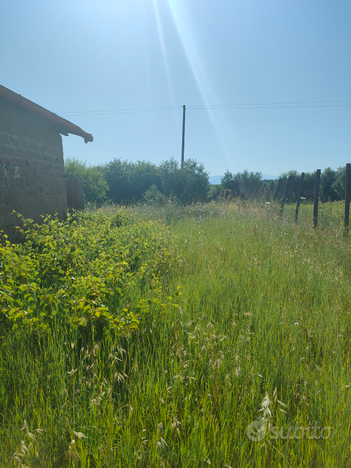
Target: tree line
[[249, 185], [126, 182]]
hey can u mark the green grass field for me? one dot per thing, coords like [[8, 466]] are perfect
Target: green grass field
[[154, 336]]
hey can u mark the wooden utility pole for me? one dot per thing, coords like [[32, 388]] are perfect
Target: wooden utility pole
[[183, 137]]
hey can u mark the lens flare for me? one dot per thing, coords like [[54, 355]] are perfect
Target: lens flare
[[164, 52], [199, 71]]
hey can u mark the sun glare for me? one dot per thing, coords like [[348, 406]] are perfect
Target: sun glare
[[164, 51], [201, 76]]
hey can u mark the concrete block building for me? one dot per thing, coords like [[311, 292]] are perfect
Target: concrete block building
[[31, 159]]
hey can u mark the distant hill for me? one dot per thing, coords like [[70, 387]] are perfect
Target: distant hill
[[269, 177], [214, 180]]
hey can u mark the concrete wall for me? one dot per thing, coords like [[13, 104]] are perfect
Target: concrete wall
[[31, 166]]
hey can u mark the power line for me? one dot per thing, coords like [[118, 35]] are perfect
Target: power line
[[123, 111], [272, 105]]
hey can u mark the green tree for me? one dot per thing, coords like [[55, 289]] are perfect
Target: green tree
[[339, 183], [308, 185], [129, 181], [215, 191], [244, 184], [154, 196], [188, 184], [292, 173], [144, 175], [95, 186], [327, 191], [231, 182], [294, 185], [249, 182]]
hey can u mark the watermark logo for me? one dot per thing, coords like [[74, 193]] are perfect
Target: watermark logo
[[257, 430]]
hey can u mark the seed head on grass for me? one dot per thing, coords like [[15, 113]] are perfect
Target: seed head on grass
[[21, 455], [265, 420]]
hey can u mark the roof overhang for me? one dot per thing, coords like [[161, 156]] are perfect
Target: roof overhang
[[64, 126]]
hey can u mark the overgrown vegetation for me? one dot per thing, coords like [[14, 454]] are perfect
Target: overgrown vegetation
[[235, 308], [95, 185], [125, 182], [128, 183]]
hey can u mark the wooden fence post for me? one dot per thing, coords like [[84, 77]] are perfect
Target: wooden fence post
[[299, 195], [271, 191], [347, 196], [258, 192], [286, 191], [316, 197], [260, 196], [276, 190]]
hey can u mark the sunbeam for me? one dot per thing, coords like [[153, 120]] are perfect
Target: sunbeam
[[199, 71], [164, 52]]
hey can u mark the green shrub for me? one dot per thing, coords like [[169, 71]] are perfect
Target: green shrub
[[87, 273]]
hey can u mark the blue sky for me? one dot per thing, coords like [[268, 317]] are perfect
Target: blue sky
[[267, 84]]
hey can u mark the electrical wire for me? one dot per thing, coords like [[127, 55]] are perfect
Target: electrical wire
[[123, 111], [272, 105]]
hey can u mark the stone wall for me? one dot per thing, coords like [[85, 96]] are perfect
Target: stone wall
[[31, 166]]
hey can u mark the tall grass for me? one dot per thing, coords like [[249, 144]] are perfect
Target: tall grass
[[262, 323]]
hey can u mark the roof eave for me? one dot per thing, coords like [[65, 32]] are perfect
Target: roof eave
[[65, 125]]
